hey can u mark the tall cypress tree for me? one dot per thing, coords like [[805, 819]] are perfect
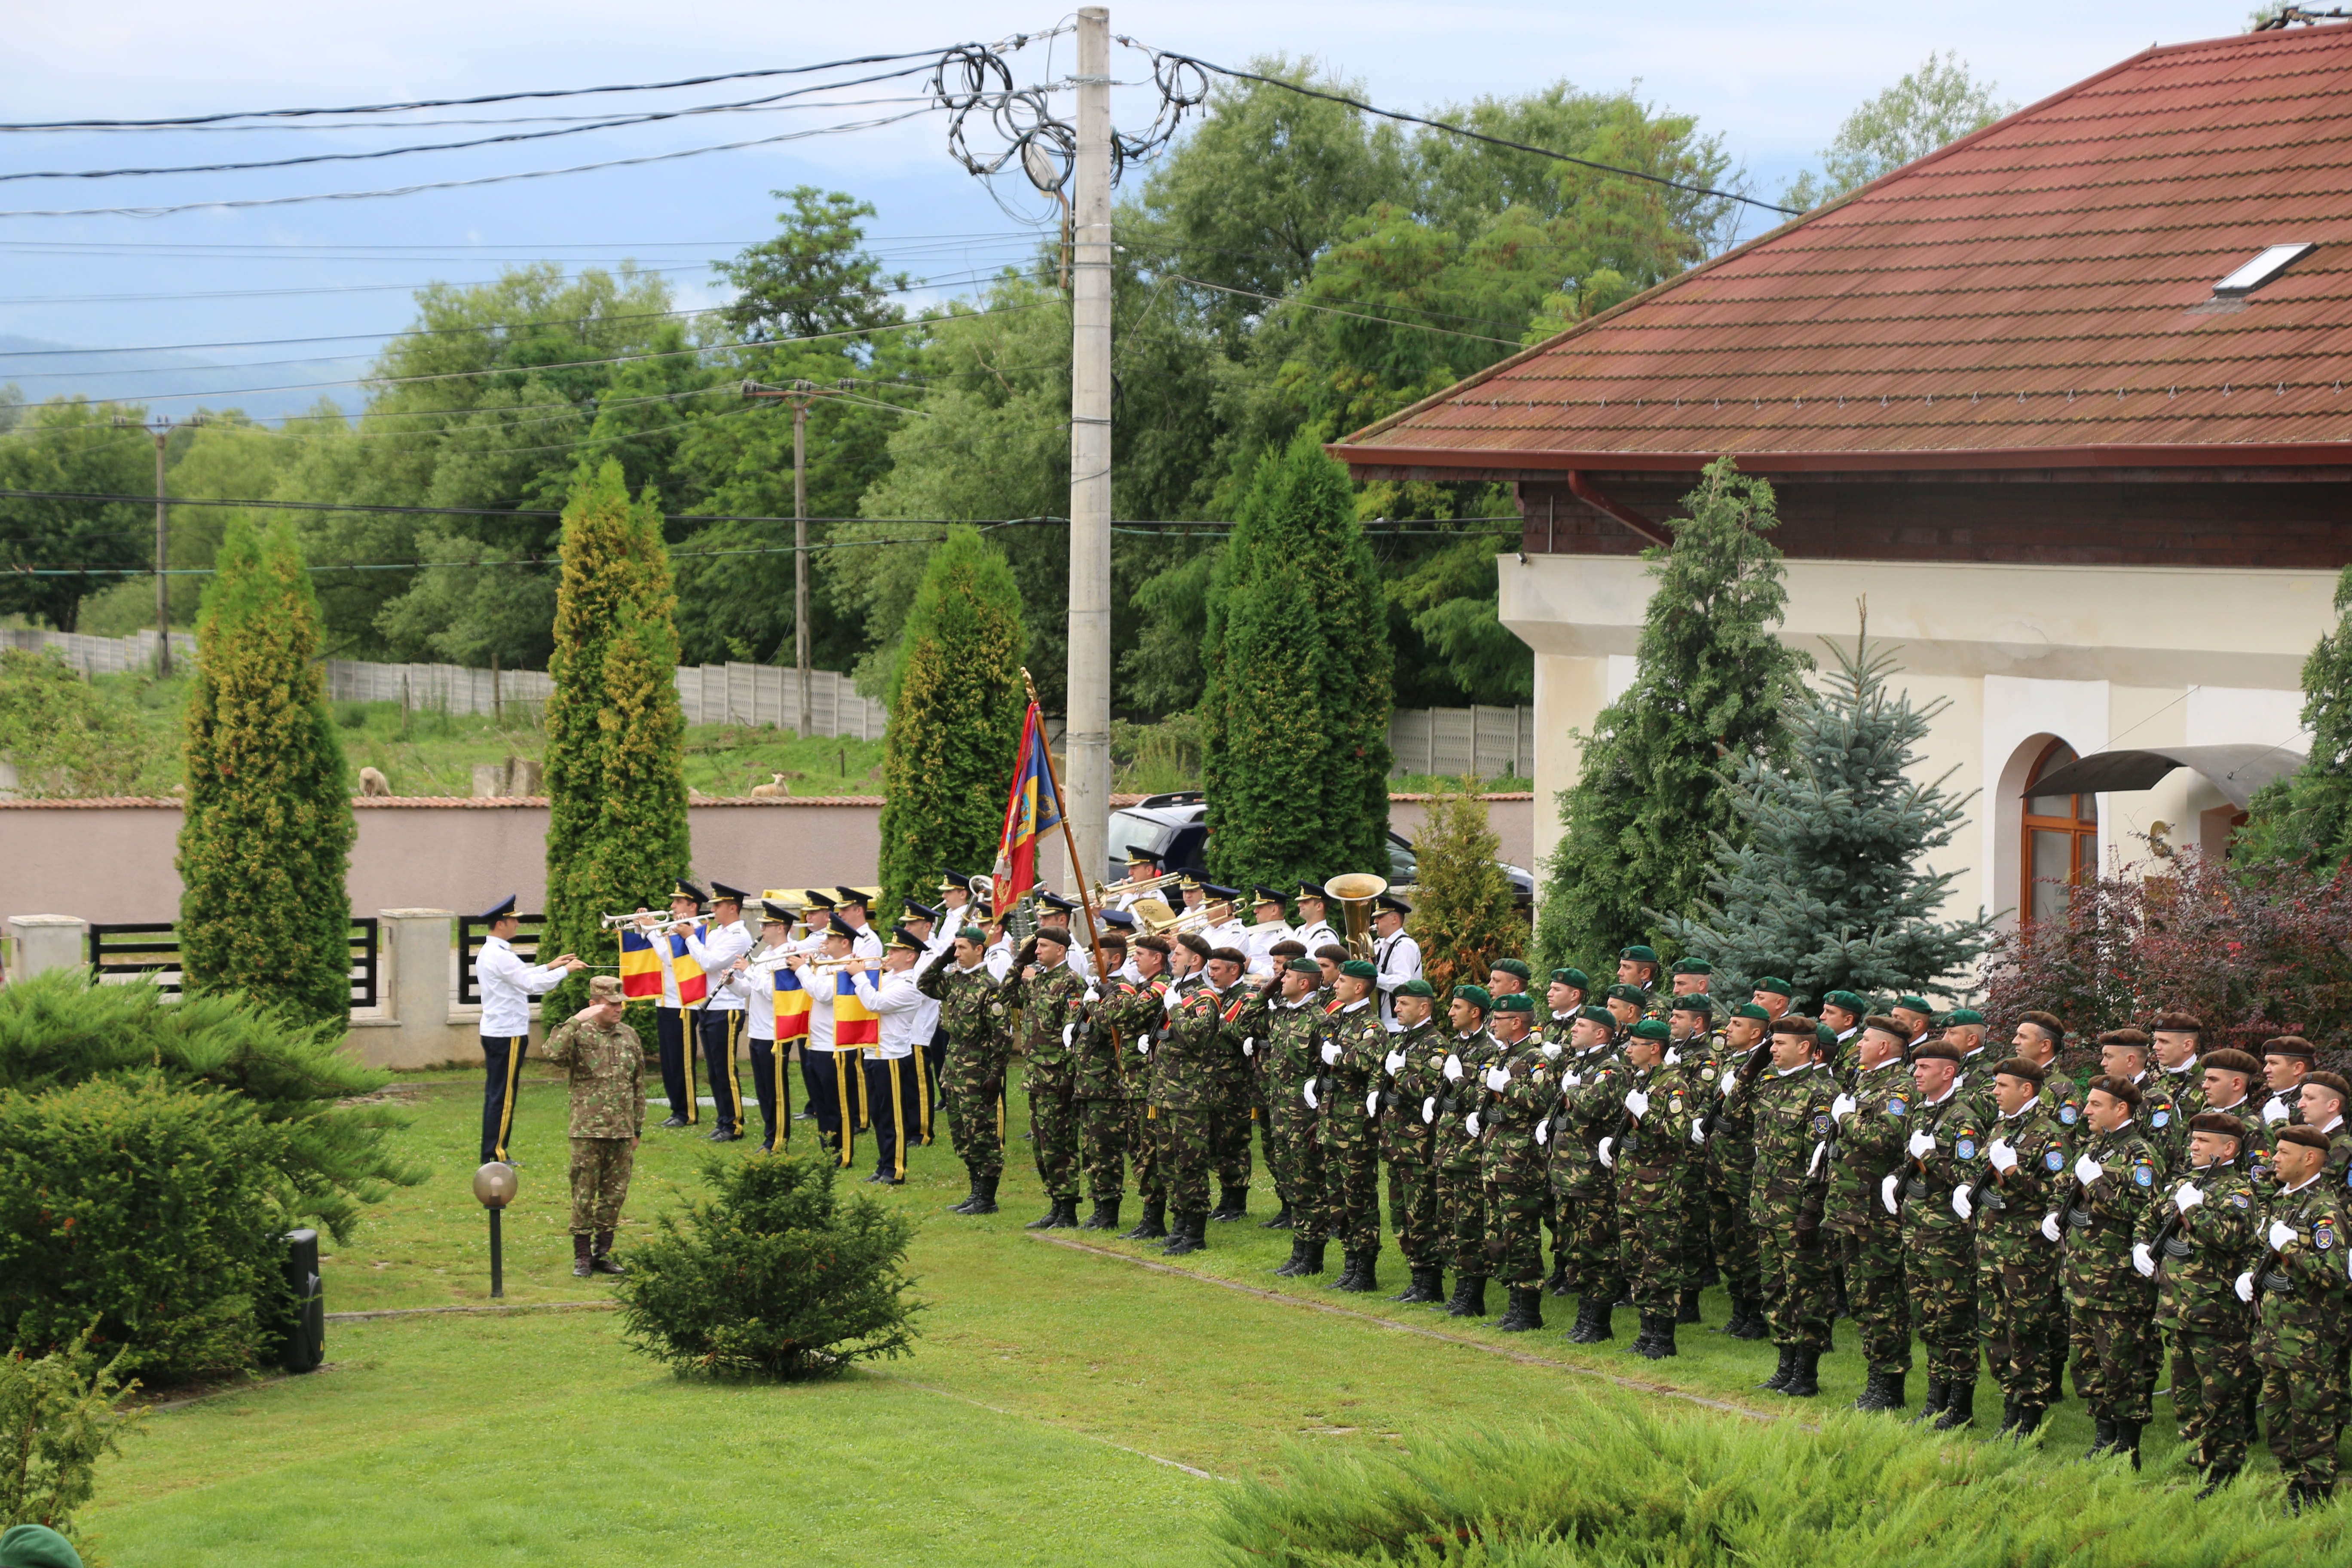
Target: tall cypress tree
[[269, 832], [617, 831], [1829, 890], [956, 704], [1710, 687], [1295, 755]]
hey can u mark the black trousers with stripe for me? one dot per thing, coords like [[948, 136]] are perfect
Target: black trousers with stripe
[[836, 1097], [720, 1029], [502, 1072], [894, 1092], [773, 1086]]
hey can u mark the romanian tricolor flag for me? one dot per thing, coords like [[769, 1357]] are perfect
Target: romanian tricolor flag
[[1034, 810], [791, 1008], [854, 1023], [640, 965], [692, 985]]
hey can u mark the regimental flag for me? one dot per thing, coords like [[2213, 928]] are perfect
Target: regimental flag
[[640, 964], [791, 1008], [693, 985], [1034, 810], [854, 1023]]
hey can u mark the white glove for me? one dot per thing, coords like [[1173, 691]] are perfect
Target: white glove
[[2143, 1261], [2246, 1287], [1392, 1061], [1249, 1047], [2049, 1225], [1574, 1080], [2087, 1169], [1498, 1079], [1470, 1124], [1607, 1158], [1543, 1131], [1842, 1107], [1092, 994], [1886, 1191], [1699, 1133], [1330, 1052], [1068, 1030], [1922, 1144], [1452, 1067], [1637, 1102], [1820, 1152], [2280, 1234], [1960, 1203], [1311, 1103], [2275, 1111], [2002, 1156], [1372, 1103], [1673, 1058], [1143, 1045], [2186, 1196], [1549, 1049], [1429, 1109]]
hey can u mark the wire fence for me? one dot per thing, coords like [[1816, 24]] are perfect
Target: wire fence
[[1482, 742]]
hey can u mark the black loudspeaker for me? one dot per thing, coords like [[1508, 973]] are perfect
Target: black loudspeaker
[[304, 1344]]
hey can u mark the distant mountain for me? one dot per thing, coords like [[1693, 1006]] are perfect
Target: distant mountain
[[44, 369]]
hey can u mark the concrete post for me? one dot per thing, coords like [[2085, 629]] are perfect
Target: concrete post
[[49, 942], [1085, 782]]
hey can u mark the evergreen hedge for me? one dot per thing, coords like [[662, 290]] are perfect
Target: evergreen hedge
[[267, 835], [60, 1414], [956, 703]]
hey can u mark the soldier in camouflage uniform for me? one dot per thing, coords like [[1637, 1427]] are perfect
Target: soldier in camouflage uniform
[[2123, 1053], [1945, 1149], [1191, 1041], [1564, 998], [2017, 1265], [2038, 1038], [1470, 1050], [606, 1064], [2287, 1061], [1787, 1198], [1874, 1121], [1693, 1045], [2207, 1237], [1520, 1089], [1730, 1165], [1292, 1048], [1132, 1011], [2173, 1039], [972, 1084], [1050, 996], [1235, 1078], [1106, 1059], [1354, 1043], [1274, 1097], [1415, 1078], [2300, 1281], [2111, 1304], [1659, 1134], [1591, 1080]]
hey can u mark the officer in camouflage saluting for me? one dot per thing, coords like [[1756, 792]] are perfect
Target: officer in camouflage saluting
[[607, 1064]]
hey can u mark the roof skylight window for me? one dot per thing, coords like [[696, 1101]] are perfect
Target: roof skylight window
[[2272, 261]]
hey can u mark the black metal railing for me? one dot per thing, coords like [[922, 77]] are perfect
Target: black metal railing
[[472, 932], [127, 951]]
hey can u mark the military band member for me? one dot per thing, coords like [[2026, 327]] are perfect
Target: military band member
[[674, 1032], [1874, 1127], [1314, 931], [894, 1090], [758, 991], [926, 920], [1945, 1149], [506, 985], [1269, 928], [2207, 1234], [2111, 1305], [607, 1065], [850, 906], [1461, 1181], [1396, 957], [1413, 1076], [2018, 1267], [715, 946], [972, 1085], [1584, 1183], [1223, 930], [830, 1073]]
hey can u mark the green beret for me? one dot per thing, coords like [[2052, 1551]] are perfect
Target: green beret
[[1752, 1010], [1963, 1017], [974, 934], [1360, 969], [1413, 987], [1694, 966], [1640, 955], [1825, 1036], [1852, 1003], [1772, 985], [1514, 1002], [1652, 1030], [1308, 966], [1512, 966], [1633, 993], [1696, 1002], [1600, 1016], [37, 1546], [1576, 977], [1913, 1005], [1478, 997]]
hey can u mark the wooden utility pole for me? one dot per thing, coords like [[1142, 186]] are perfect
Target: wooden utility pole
[[798, 394]]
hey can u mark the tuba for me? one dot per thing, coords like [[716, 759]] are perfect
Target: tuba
[[1354, 894]]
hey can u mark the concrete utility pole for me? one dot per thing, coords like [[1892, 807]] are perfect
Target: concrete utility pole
[[798, 394], [162, 430], [1088, 736]]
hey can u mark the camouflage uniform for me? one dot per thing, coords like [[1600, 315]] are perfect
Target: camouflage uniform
[[1939, 1261], [1183, 1059], [2017, 1266], [972, 1084], [1356, 1040], [1654, 1161], [1287, 1046], [1869, 1149], [1106, 1063], [1408, 1140], [1514, 1184], [2163, 1122], [1699, 1061], [1461, 1181], [1786, 1199], [2201, 1252], [2302, 1294], [1235, 1076], [2112, 1307], [2261, 1140], [1730, 1166], [607, 1068], [1590, 1103], [1051, 1008]]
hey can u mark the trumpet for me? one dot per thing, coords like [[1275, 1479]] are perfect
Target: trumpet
[[769, 963], [1354, 894], [1163, 925], [609, 921], [1136, 885]]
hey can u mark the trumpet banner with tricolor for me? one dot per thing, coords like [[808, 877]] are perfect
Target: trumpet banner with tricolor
[[1033, 810], [641, 967]]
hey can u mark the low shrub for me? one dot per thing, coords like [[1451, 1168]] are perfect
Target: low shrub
[[146, 1217], [1622, 1481], [772, 1275], [60, 1415]]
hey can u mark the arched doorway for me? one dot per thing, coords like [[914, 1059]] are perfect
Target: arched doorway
[[2060, 837]]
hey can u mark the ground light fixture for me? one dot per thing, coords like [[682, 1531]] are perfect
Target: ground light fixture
[[495, 1184]]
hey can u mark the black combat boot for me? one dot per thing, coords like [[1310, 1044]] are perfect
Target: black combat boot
[[2057, 1385], [1367, 1277], [1686, 1308], [1804, 1380], [1601, 1328], [1557, 1283], [1288, 1266], [1891, 1389], [1412, 1291], [1874, 1392], [1152, 1225], [1187, 1236], [1751, 1326], [2009, 1409], [1232, 1203], [600, 1255], [582, 1267], [2217, 1478], [970, 1198], [1428, 1286], [1460, 1283], [1282, 1219], [1470, 1301], [984, 1201], [1313, 1262], [1658, 1341], [1094, 1221], [1350, 1260], [1782, 1373], [1108, 1211], [1049, 1219], [2103, 1427], [2029, 1420], [1960, 1409], [1939, 1394], [1525, 1312], [2127, 1441]]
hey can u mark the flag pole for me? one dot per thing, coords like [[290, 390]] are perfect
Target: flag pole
[[1062, 809]]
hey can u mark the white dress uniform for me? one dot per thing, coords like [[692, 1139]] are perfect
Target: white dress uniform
[[1320, 935], [758, 991], [719, 1022], [506, 985], [1258, 946], [1398, 959], [894, 1085]]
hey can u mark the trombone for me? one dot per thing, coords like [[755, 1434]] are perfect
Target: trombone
[[1354, 893], [1135, 885]]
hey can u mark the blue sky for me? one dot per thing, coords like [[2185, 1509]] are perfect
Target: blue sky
[[1773, 78]]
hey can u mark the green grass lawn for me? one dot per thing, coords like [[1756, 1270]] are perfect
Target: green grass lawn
[[1023, 1429]]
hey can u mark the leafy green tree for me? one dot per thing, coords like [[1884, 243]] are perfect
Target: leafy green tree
[[1710, 686], [1938, 104], [1829, 888], [2307, 816], [73, 445], [267, 835], [617, 832], [1295, 754], [1464, 918], [814, 276], [956, 708]]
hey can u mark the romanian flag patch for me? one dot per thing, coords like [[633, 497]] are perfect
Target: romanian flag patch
[[640, 965], [791, 1008]]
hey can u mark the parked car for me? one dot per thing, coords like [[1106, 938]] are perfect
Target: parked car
[[1175, 827]]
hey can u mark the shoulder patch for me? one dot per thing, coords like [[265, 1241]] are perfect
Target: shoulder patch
[[2067, 1115], [2144, 1173], [2160, 1117], [1966, 1149], [2240, 1200], [1707, 1074], [1822, 1126], [1896, 1107], [2323, 1235], [2055, 1159]]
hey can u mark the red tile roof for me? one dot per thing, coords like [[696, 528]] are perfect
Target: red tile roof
[[2035, 294]]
